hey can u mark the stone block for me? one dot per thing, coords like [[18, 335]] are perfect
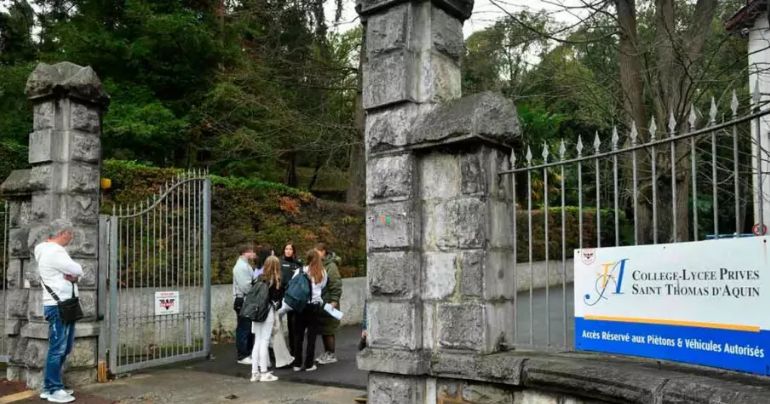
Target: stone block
[[34, 378], [43, 115], [12, 327], [439, 176], [16, 185], [393, 325], [83, 353], [440, 272], [485, 114], [486, 394], [90, 268], [42, 146], [80, 377], [35, 355], [500, 224], [390, 226], [388, 129], [13, 276], [20, 213], [37, 234], [84, 117], [82, 178], [388, 31], [461, 326], [498, 275], [446, 34], [456, 223], [388, 389], [17, 302], [428, 324], [440, 80], [472, 276], [88, 302], [82, 209], [85, 242], [18, 243], [41, 177], [389, 78], [499, 327], [19, 350], [30, 273], [35, 305], [65, 80], [390, 178], [393, 273], [396, 361], [474, 177], [43, 207], [85, 147]]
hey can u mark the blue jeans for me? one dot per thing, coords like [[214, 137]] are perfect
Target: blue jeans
[[244, 339], [61, 337]]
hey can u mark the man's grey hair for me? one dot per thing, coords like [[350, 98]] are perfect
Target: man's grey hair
[[58, 227]]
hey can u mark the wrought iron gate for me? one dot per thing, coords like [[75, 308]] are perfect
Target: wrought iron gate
[[160, 277], [4, 225]]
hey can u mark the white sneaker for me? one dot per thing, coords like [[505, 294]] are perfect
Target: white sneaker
[[60, 396], [245, 361], [44, 395], [268, 377], [296, 368], [311, 369], [255, 377], [326, 358]]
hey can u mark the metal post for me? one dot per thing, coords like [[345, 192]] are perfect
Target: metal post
[[515, 254], [114, 314], [546, 214], [207, 263], [736, 183]]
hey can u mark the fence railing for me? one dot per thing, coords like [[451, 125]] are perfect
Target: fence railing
[[639, 187]]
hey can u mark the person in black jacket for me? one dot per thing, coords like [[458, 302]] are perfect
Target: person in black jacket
[[289, 264]]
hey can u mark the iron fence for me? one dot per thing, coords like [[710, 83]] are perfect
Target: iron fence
[[641, 188]]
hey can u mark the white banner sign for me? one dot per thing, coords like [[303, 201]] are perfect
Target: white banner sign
[[702, 302], [166, 303]]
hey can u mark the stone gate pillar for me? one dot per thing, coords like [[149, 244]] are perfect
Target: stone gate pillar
[[439, 237], [63, 182]]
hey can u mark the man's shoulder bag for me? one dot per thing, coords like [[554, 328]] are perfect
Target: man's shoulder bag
[[69, 310]]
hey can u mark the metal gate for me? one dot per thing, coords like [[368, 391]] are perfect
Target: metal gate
[[4, 225], [160, 277]]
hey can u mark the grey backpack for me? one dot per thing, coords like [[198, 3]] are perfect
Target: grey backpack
[[256, 304]]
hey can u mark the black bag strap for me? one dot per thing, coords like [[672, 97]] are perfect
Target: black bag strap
[[51, 292]]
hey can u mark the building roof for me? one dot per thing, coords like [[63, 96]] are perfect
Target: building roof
[[745, 17]]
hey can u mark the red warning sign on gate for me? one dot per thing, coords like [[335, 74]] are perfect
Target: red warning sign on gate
[[166, 303]]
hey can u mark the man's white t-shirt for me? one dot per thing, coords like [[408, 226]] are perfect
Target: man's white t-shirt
[[53, 263]]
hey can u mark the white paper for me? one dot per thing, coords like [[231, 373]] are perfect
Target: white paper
[[333, 312]]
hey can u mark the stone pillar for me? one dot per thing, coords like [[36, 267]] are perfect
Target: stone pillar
[[438, 231], [64, 152]]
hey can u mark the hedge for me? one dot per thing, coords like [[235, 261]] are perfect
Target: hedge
[[249, 210]]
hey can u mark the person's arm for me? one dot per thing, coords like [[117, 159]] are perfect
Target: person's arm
[[242, 277], [66, 265], [334, 286]]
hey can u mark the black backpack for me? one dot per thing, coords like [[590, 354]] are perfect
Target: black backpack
[[256, 302]]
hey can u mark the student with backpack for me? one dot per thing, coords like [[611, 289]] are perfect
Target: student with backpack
[[308, 318], [259, 305]]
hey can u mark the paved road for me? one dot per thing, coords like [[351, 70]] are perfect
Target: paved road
[[538, 326]]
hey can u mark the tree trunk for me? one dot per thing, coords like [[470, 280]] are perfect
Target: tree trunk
[[291, 170], [356, 193]]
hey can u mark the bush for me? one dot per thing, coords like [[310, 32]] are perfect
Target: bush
[[572, 233]]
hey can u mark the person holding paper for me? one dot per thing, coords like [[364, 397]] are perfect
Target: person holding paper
[[331, 295], [309, 318]]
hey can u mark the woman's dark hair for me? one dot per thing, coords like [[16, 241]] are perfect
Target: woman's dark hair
[[293, 258], [264, 252]]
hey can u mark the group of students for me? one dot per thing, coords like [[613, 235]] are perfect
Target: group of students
[[281, 277]]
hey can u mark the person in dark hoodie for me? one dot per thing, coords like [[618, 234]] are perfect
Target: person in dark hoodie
[[289, 264], [332, 294]]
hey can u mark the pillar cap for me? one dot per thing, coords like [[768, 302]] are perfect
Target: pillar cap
[[66, 79], [460, 9]]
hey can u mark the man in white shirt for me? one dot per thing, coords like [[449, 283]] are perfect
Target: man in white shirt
[[243, 273], [59, 273]]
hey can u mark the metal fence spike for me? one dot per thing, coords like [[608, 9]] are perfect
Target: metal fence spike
[[529, 155], [545, 152], [713, 112], [734, 104], [615, 138], [653, 129], [512, 159], [579, 145], [634, 133], [693, 117], [671, 123], [755, 96], [562, 150], [597, 143]]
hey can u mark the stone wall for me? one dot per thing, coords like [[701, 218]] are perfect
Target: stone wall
[[63, 182]]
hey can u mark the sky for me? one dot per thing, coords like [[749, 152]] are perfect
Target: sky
[[484, 12]]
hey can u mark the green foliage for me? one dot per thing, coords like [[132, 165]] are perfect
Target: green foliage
[[251, 210], [572, 231]]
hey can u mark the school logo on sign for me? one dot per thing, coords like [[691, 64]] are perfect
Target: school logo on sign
[[608, 282]]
